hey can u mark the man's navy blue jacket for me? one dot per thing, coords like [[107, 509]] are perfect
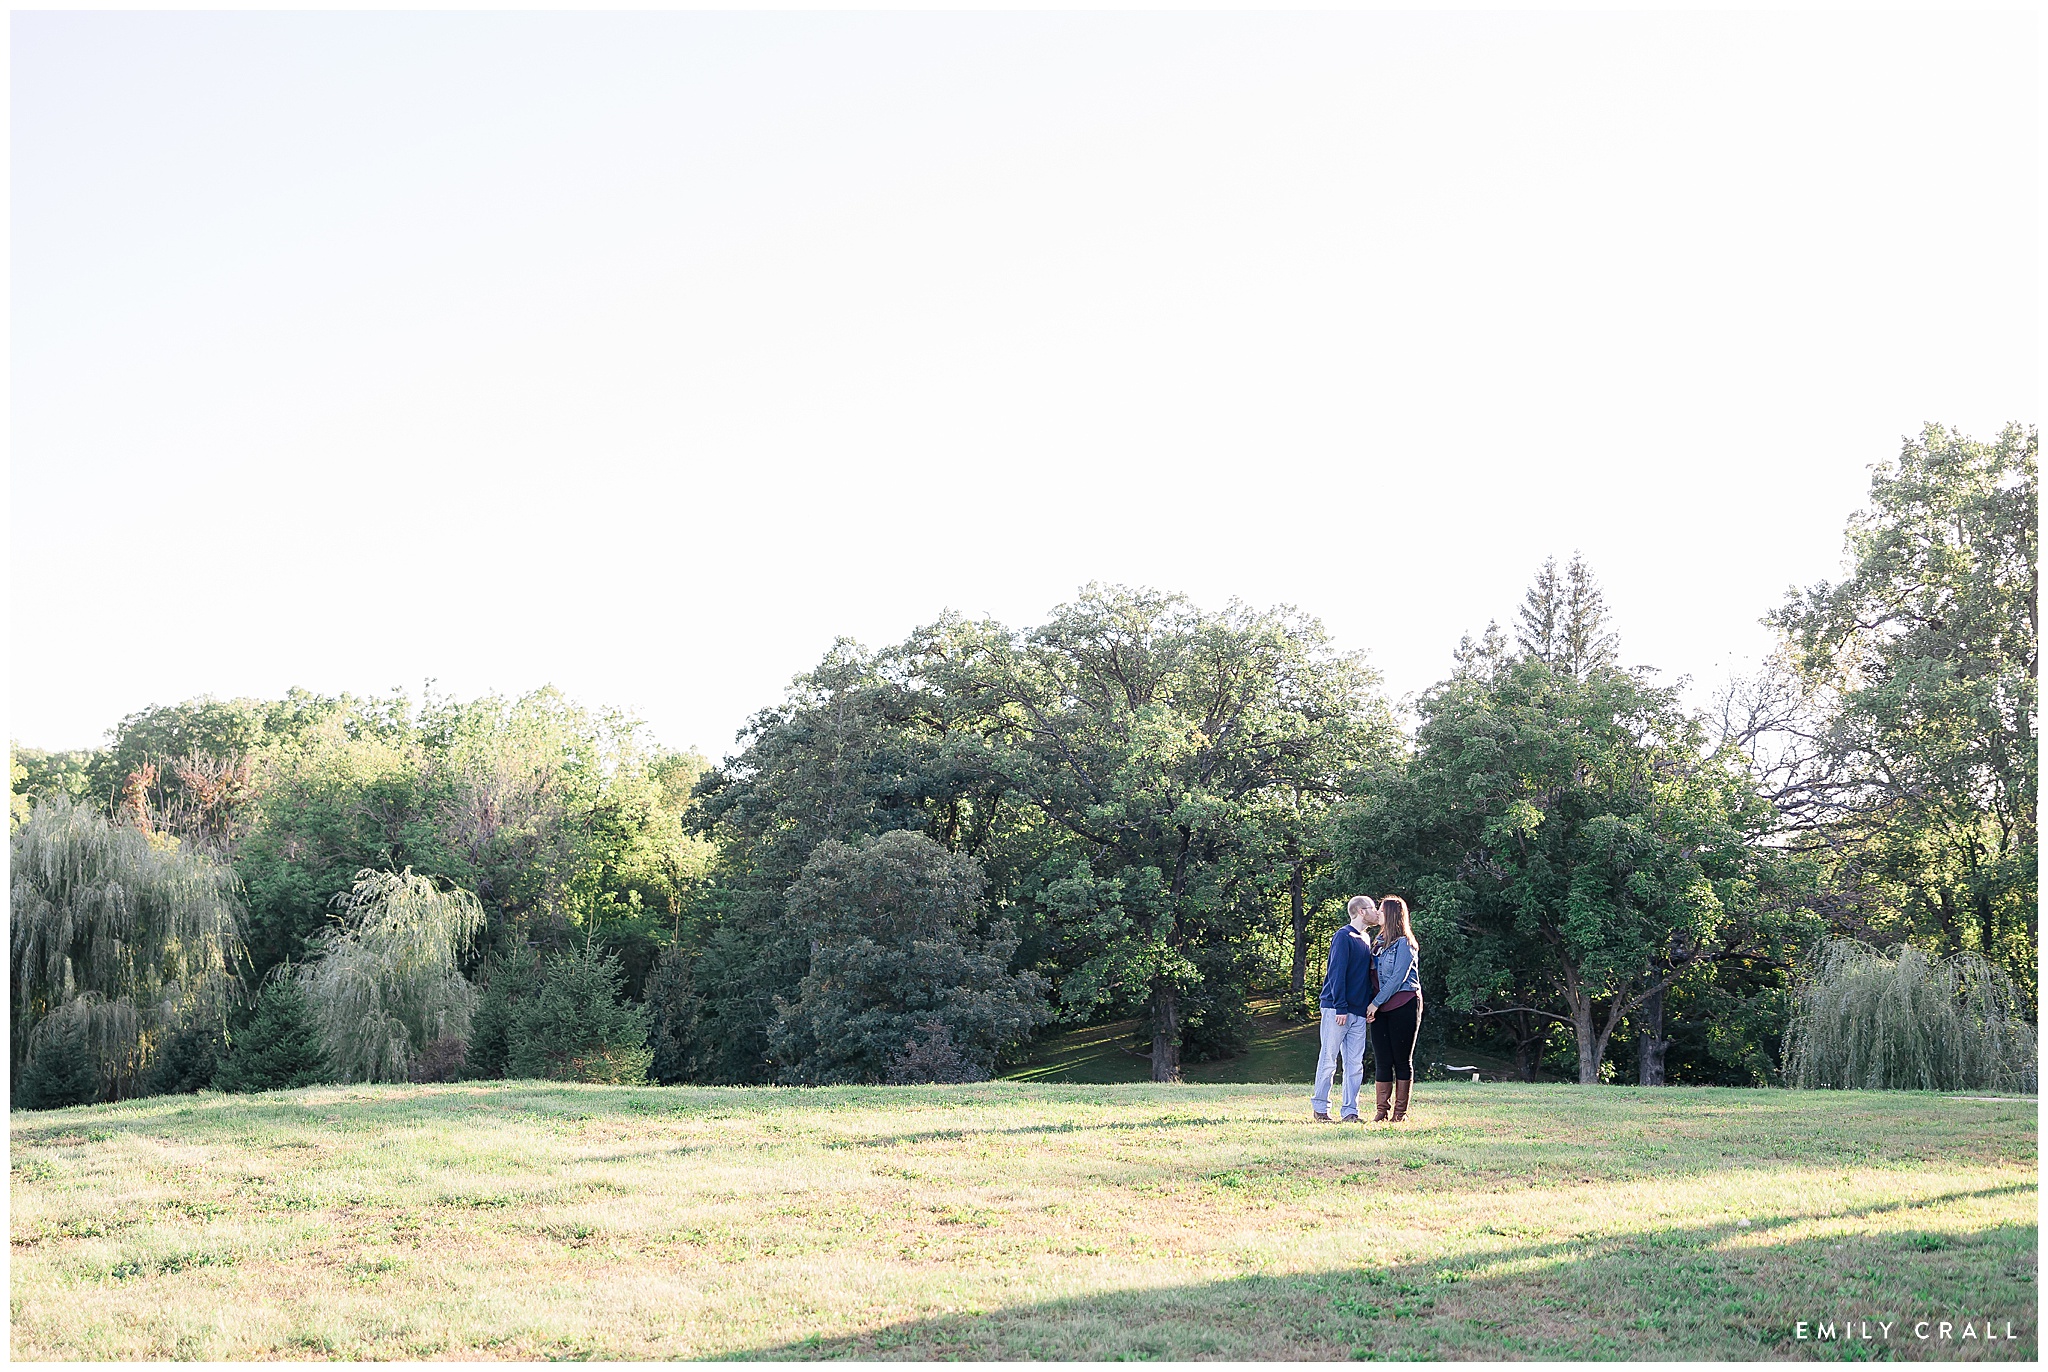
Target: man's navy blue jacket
[[1352, 980]]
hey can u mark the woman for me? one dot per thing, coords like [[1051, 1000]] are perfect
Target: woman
[[1395, 1014]]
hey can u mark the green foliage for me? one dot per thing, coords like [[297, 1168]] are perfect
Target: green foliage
[[351, 792], [1139, 780], [1170, 750], [281, 1048], [509, 980], [899, 938], [560, 815], [186, 1060], [1162, 809], [575, 1027], [64, 1064], [858, 748], [1563, 620], [1908, 1022], [140, 935], [387, 981], [1216, 1022], [1572, 848], [558, 818], [1915, 688], [35, 775], [674, 1010], [1727, 1022]]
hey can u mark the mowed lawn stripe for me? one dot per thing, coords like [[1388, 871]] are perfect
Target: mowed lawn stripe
[[1016, 1220]]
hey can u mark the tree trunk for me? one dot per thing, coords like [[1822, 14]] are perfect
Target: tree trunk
[[1300, 932], [1650, 1040], [1951, 933], [1165, 1033], [1589, 1043], [1526, 1039]]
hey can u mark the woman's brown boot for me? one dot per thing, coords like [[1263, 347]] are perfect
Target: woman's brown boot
[[1383, 1090], [1401, 1100]]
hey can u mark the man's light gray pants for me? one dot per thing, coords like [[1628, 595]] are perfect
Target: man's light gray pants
[[1346, 1042]]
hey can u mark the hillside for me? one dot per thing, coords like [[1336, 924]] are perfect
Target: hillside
[[1282, 1051]]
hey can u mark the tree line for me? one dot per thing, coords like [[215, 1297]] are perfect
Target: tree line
[[929, 853]]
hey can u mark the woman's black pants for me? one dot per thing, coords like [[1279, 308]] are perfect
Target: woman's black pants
[[1393, 1041]]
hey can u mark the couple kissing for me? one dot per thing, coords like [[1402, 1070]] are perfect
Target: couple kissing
[[1372, 993]]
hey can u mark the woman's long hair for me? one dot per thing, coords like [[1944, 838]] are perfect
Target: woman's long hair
[[1396, 911]]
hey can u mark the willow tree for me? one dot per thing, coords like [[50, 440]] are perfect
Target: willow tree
[[1865, 1020], [1923, 786], [117, 936], [386, 980]]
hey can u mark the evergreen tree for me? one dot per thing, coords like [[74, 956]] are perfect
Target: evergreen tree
[[673, 1007], [185, 1061], [1564, 620], [1542, 608], [281, 1049], [576, 1027], [933, 1059], [510, 979], [62, 1067]]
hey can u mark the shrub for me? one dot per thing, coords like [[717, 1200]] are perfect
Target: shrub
[[575, 1027], [1907, 1022], [281, 1048], [441, 1060], [933, 1058]]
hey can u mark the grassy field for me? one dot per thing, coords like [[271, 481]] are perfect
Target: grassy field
[[1019, 1220]]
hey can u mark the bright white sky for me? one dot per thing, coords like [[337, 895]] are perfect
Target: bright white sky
[[644, 354]]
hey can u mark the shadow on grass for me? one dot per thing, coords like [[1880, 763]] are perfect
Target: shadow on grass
[[1717, 1292]]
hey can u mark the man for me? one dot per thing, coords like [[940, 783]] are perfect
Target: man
[[1348, 988]]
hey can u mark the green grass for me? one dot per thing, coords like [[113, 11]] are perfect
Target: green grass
[[526, 1220]]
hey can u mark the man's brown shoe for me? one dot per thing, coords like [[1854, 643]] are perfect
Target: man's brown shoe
[[1401, 1100], [1383, 1091], [1322, 1118]]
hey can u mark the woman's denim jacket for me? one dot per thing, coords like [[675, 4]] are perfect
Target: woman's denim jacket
[[1398, 971]]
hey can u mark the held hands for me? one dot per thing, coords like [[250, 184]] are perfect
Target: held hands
[[1370, 1011]]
